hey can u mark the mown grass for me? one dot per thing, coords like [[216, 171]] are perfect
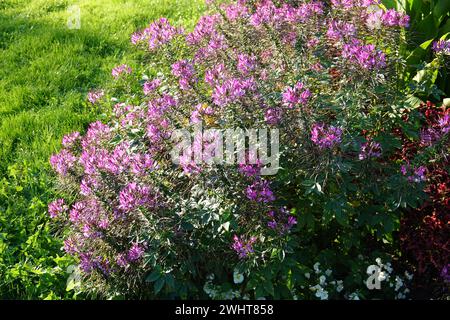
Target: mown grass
[[46, 70]]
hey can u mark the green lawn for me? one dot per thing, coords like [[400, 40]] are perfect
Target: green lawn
[[46, 70]]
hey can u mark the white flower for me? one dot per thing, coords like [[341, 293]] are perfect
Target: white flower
[[316, 267], [353, 296], [307, 275], [340, 286], [401, 296], [388, 267], [382, 276], [328, 272], [374, 20], [378, 261], [398, 283], [322, 294], [237, 277], [261, 298], [322, 280], [408, 276]]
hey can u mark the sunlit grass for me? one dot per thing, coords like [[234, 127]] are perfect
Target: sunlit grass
[[46, 71]]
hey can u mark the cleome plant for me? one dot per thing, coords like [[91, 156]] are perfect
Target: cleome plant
[[325, 76]]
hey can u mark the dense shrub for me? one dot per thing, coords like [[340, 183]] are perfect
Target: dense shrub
[[425, 231], [324, 74]]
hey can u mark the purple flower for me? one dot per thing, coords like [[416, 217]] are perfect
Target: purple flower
[[231, 90], [265, 14], [185, 72], [93, 96], [183, 69], [442, 46], [365, 56], [70, 246], [374, 20], [260, 191], [117, 71], [136, 252], [69, 140], [445, 273], [56, 208], [63, 162], [242, 246], [393, 18], [142, 163], [246, 63], [134, 196], [348, 4], [156, 35], [325, 137], [250, 170], [204, 29], [444, 124], [293, 96], [281, 221], [96, 134], [273, 116], [86, 262], [150, 86], [414, 174], [236, 10], [429, 136], [339, 30], [122, 260], [215, 75], [370, 149]]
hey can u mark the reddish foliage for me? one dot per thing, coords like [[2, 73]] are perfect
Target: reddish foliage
[[425, 231]]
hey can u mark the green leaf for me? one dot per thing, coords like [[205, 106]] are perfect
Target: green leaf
[[342, 217], [159, 284], [152, 277], [268, 287], [419, 53], [440, 11]]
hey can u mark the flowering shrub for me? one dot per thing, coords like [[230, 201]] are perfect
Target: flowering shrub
[[325, 76]]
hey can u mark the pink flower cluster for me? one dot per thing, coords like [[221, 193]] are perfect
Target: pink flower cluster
[[414, 174], [281, 221], [293, 96], [157, 34], [242, 246], [56, 208], [269, 14], [93, 96], [354, 3], [370, 149], [260, 191], [119, 70], [365, 56], [185, 72], [232, 90], [150, 86], [442, 46], [389, 18], [326, 137], [339, 30]]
